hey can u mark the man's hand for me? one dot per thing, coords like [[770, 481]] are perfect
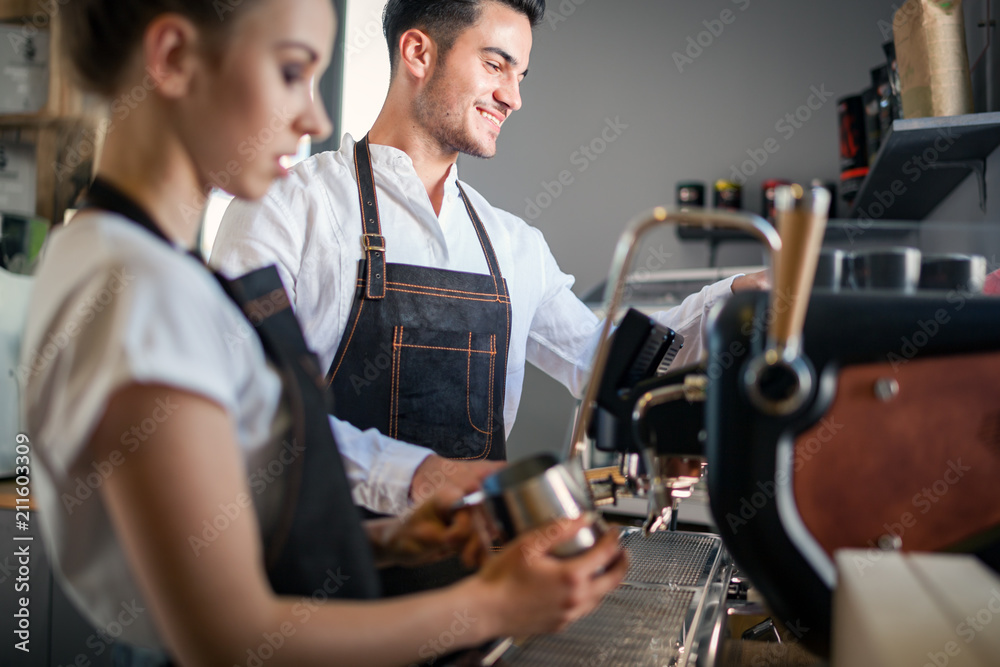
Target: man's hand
[[437, 474], [761, 280], [430, 532]]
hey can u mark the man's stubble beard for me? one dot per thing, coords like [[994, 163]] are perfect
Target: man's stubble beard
[[444, 127]]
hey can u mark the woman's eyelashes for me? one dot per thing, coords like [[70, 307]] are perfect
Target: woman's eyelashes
[[293, 73]]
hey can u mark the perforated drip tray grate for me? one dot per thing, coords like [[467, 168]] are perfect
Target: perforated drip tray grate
[[681, 559], [632, 626], [649, 620]]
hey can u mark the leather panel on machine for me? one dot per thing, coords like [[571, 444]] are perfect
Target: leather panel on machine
[[923, 465]]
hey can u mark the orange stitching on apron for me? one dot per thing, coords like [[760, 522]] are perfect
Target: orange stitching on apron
[[398, 345], [343, 354], [429, 291], [369, 263], [468, 387], [487, 296], [493, 358], [397, 354], [446, 296], [447, 349], [506, 314], [489, 406], [442, 289], [392, 383]]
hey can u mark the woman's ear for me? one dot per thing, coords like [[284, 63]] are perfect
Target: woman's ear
[[172, 53], [418, 53]]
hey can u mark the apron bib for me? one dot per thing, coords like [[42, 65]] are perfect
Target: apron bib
[[424, 356]]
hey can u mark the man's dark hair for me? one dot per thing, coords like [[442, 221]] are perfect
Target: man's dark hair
[[443, 20]]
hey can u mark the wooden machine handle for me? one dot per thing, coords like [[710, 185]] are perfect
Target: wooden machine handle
[[801, 216]]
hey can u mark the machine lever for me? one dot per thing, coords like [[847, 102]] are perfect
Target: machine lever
[[779, 380]]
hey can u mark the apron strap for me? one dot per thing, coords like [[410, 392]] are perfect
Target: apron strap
[[500, 289], [316, 532], [372, 240], [103, 195]]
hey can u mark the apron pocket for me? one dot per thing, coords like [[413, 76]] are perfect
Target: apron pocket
[[442, 392]]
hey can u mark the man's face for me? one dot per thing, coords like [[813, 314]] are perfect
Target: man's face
[[476, 85]]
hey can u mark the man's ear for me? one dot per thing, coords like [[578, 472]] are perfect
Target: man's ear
[[417, 53], [172, 53]]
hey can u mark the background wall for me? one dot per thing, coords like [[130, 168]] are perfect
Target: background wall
[[660, 92]]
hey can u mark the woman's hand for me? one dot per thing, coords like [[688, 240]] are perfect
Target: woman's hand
[[537, 592]]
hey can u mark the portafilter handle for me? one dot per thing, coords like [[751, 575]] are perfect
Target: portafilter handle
[[625, 252], [779, 380]]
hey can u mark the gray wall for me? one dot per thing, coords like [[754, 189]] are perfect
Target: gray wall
[[614, 60]]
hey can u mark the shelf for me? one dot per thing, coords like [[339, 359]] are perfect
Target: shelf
[[14, 11], [63, 131], [922, 161]]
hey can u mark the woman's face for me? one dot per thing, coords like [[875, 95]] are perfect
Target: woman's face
[[251, 107]]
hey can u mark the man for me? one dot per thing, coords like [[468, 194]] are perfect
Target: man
[[426, 343]]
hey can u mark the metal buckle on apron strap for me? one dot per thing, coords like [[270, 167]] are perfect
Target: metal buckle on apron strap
[[373, 242]]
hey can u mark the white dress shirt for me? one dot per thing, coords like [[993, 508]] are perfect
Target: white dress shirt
[[309, 225]]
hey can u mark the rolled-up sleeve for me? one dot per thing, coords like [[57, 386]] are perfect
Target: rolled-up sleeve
[[565, 332], [690, 317], [380, 469]]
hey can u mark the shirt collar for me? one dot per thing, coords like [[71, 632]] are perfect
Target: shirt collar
[[390, 157]]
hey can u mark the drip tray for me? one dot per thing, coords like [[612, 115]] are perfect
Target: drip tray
[[661, 614]]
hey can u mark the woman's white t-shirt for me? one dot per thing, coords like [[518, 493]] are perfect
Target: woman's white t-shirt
[[114, 305]]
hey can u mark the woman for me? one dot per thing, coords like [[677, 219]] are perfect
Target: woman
[[158, 421]]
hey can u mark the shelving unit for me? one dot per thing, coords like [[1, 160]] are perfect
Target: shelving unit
[[62, 133], [922, 161]]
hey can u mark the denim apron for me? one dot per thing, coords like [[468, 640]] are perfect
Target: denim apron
[[423, 358], [318, 547]]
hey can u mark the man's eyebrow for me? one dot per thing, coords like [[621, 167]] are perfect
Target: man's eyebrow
[[511, 60]]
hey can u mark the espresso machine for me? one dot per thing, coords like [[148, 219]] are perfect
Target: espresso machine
[[670, 608], [864, 420]]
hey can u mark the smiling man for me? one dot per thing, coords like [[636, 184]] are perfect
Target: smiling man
[[421, 299]]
